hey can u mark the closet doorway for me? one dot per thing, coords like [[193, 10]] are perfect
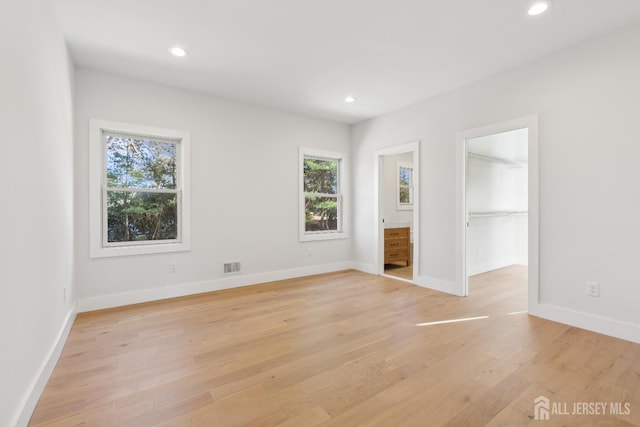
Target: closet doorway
[[497, 210], [499, 203]]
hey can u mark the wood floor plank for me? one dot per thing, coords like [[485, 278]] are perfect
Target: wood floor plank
[[342, 349]]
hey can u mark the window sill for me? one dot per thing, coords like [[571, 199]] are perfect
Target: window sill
[[323, 236], [160, 248]]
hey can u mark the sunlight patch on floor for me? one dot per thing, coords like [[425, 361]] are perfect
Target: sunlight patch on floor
[[467, 319], [441, 322]]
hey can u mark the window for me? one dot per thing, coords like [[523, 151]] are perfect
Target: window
[[405, 186], [322, 205], [139, 189]]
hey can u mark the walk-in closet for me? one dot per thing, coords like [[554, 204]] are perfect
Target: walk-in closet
[[497, 189]]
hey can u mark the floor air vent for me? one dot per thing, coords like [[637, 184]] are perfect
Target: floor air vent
[[231, 267]]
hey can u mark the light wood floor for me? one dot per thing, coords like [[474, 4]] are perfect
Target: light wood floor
[[399, 270], [342, 349]]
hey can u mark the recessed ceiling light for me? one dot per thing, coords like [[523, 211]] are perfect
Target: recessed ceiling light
[[538, 7], [177, 51], [349, 99]]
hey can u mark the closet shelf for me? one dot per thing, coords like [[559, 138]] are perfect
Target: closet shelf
[[496, 213], [497, 160]]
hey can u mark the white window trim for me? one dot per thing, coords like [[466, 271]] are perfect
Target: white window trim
[[343, 197], [97, 187], [404, 206]]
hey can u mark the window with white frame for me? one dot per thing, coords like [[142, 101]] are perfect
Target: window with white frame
[[405, 186], [139, 192], [322, 205]]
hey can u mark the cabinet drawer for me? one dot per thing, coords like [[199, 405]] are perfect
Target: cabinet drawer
[[396, 232], [391, 244], [394, 255]]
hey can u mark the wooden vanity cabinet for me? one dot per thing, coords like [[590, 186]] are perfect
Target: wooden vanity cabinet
[[397, 245]]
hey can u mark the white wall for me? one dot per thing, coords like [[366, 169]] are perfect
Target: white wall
[[587, 101], [495, 241], [390, 182], [36, 218], [244, 176]]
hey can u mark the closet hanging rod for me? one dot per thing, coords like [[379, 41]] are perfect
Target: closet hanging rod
[[496, 213]]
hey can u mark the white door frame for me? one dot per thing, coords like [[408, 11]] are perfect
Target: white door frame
[[411, 147], [531, 123]]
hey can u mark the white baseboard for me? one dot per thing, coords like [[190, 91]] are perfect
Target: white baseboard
[[30, 400], [154, 294], [365, 268], [436, 284], [472, 270], [590, 322], [520, 261]]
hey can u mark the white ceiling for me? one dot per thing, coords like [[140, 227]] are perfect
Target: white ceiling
[[306, 56]]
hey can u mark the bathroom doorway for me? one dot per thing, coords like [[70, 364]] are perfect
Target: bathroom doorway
[[398, 211]]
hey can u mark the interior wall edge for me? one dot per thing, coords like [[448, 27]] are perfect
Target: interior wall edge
[[40, 379]]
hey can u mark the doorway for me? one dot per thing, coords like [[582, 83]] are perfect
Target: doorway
[[498, 208], [398, 211]]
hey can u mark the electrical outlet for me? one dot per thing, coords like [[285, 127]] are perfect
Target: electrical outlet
[[309, 252], [593, 289], [64, 294], [173, 267]]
